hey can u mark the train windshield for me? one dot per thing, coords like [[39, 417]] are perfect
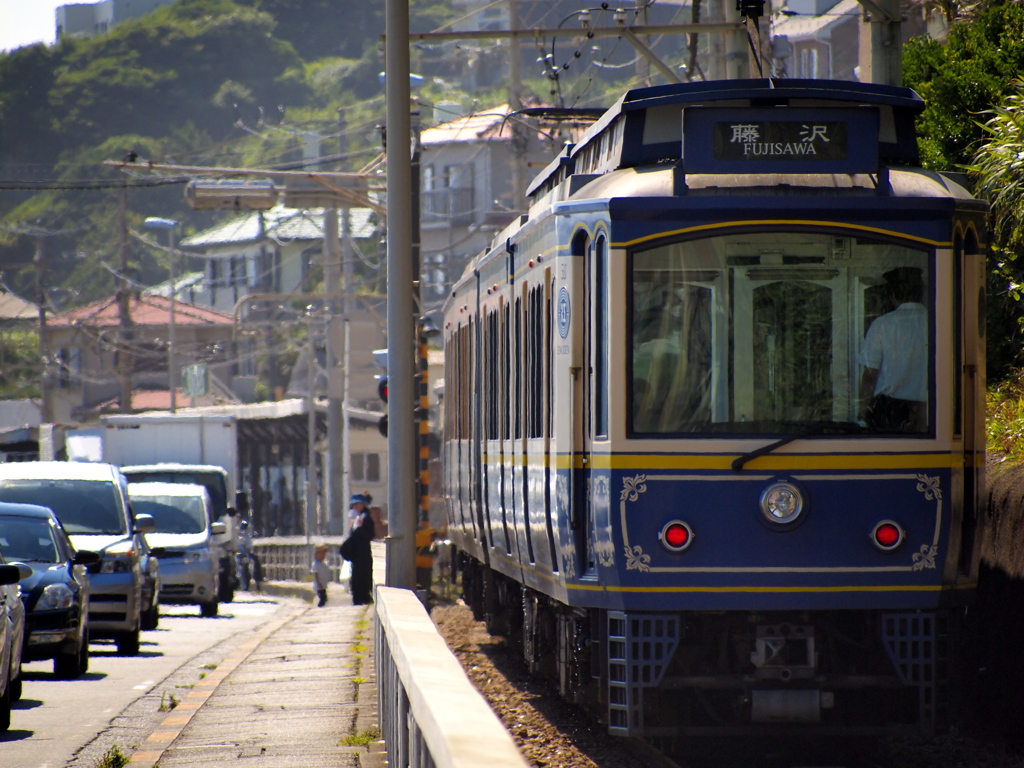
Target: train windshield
[[779, 333]]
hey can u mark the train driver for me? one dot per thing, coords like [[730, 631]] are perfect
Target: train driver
[[894, 385]]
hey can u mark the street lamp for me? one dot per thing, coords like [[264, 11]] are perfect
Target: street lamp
[[154, 222]]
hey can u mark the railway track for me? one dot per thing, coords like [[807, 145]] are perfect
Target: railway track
[[554, 734]]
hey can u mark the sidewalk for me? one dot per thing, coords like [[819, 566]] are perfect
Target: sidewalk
[[299, 693]]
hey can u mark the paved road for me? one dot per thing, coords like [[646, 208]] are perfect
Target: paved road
[[56, 720]]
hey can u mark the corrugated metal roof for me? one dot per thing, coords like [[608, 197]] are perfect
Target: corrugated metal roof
[[15, 308], [281, 224]]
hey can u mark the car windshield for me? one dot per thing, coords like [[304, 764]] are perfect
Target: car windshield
[[212, 481], [82, 506], [27, 539], [173, 514], [775, 333]]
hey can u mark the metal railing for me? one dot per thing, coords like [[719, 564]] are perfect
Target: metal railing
[[288, 558]]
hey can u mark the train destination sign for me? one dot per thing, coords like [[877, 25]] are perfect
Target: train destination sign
[[780, 140], [811, 141]]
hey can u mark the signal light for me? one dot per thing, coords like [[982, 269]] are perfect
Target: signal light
[[753, 9], [887, 535], [382, 388], [676, 536], [382, 425]]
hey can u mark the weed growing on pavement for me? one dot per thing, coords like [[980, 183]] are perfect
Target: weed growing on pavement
[[359, 648], [114, 758], [202, 675], [168, 701], [358, 680], [208, 666], [362, 738]]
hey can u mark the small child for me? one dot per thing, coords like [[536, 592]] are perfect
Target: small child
[[321, 574]]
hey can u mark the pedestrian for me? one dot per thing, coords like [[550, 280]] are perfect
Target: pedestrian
[[322, 574], [357, 508], [356, 549]]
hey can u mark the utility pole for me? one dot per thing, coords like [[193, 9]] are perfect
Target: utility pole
[[46, 384], [335, 409], [515, 103], [311, 474], [401, 541], [881, 42], [124, 311]]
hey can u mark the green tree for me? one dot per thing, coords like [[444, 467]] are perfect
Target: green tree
[[999, 170], [963, 77], [961, 82]]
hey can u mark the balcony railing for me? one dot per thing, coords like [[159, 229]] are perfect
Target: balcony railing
[[451, 204]]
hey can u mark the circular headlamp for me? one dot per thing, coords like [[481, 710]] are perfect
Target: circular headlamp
[[781, 503]]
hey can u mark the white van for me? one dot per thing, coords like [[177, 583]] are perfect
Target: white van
[[91, 502], [184, 540]]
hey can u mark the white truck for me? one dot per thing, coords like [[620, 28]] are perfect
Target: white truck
[[183, 448]]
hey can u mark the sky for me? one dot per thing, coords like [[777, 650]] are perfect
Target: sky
[[23, 22]]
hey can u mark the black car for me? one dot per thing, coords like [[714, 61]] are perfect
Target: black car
[[56, 595]]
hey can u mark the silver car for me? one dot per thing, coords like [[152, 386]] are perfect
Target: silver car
[[91, 502], [184, 540]]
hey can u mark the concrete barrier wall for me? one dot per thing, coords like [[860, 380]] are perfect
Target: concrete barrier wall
[[430, 714]]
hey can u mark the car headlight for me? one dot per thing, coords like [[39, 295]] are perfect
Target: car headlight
[[197, 555], [55, 597], [118, 560]]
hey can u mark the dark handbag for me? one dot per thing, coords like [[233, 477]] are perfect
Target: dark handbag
[[346, 549]]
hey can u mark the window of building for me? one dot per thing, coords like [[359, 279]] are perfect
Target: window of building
[[366, 467]]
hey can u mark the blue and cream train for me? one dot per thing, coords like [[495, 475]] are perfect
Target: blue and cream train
[[660, 468]]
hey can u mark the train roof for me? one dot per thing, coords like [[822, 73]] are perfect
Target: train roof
[[657, 125]]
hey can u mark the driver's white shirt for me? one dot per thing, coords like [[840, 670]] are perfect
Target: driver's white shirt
[[896, 345]]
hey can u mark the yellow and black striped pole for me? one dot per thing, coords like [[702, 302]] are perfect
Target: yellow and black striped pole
[[422, 416]]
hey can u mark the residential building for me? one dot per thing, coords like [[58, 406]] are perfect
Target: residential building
[[88, 345], [466, 168], [91, 19]]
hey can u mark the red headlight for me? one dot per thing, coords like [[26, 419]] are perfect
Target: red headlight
[[887, 535], [676, 536]]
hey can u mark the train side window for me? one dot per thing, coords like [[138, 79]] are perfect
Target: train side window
[[519, 395], [504, 376]]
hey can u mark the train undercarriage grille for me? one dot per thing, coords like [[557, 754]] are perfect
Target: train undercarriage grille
[[640, 646], [916, 644]]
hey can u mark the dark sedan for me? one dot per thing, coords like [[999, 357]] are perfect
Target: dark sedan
[[56, 595]]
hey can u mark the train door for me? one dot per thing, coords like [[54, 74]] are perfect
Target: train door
[[594, 394], [577, 320], [969, 313]]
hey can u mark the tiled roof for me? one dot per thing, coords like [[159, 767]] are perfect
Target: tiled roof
[[145, 310]]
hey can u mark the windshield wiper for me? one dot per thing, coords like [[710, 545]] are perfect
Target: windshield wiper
[[816, 428]]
